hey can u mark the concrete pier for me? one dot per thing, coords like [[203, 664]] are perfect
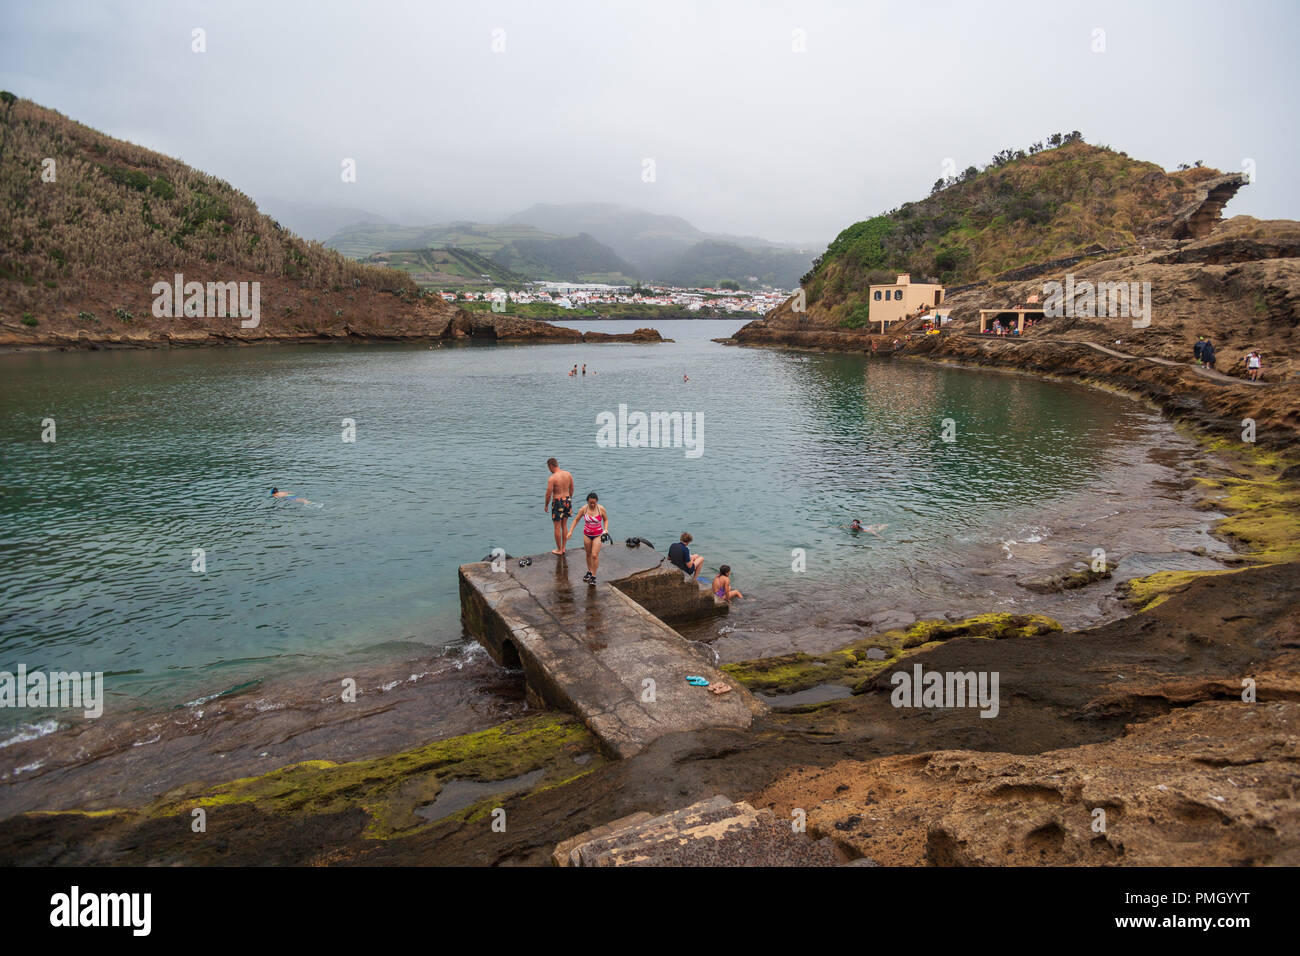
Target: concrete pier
[[604, 653]]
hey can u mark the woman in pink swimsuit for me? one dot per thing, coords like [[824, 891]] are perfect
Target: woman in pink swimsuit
[[722, 588], [595, 522]]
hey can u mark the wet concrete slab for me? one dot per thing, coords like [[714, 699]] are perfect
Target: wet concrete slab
[[604, 652]]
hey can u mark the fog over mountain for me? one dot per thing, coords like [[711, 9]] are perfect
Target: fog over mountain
[[780, 120]]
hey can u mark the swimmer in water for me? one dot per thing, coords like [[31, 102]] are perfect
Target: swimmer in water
[[289, 496], [875, 529]]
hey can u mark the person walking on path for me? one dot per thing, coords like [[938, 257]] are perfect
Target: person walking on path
[[559, 500], [1198, 348], [595, 525], [1207, 354], [1254, 365]]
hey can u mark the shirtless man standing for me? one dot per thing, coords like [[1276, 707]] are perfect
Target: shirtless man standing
[[559, 499]]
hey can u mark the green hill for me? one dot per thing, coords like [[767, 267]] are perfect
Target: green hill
[[84, 213], [577, 257], [709, 262], [448, 268], [506, 252], [360, 240], [1024, 207]]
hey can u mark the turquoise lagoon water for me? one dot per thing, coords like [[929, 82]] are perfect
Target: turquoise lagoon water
[[159, 453]]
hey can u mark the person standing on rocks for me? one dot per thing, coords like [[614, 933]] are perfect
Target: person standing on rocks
[[1198, 348], [559, 499], [1253, 366]]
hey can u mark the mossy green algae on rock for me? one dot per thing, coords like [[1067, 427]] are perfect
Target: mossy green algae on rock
[[854, 663], [390, 788]]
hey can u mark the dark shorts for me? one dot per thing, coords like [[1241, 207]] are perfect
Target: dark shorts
[[561, 508]]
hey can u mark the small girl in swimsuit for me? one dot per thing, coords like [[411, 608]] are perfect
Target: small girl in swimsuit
[[722, 585], [595, 523]]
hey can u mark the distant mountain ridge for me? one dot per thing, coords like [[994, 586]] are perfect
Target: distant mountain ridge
[[595, 242], [670, 249]]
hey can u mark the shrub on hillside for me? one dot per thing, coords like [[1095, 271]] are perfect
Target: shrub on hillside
[[858, 318]]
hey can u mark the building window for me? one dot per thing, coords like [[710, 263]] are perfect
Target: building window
[[877, 295], [898, 293]]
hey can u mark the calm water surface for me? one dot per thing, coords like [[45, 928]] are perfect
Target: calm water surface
[[159, 453]]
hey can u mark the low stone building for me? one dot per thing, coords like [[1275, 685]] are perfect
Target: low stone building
[[901, 299]]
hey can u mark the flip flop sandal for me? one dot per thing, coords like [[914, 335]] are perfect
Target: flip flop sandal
[[525, 562], [720, 689], [697, 681]]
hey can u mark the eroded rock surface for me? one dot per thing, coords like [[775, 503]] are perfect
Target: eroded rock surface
[[1210, 785]]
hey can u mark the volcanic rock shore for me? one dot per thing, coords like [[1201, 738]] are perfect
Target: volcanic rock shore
[[1179, 723], [1240, 286], [290, 315]]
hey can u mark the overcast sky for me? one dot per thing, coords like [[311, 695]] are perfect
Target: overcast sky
[[747, 133]]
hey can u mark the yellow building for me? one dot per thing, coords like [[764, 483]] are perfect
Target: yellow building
[[891, 303]]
